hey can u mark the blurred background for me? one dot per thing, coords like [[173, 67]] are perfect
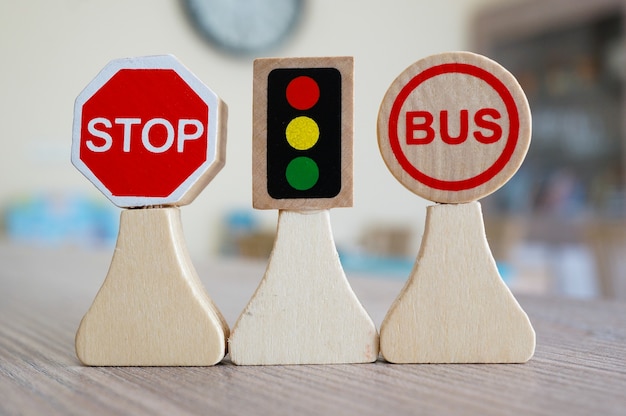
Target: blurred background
[[557, 228]]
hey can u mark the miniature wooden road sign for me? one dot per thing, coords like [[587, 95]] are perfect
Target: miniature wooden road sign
[[304, 310], [158, 125], [302, 133], [150, 136], [453, 128]]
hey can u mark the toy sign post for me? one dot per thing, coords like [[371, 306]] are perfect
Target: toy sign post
[[149, 134], [146, 132], [304, 311], [456, 130], [453, 128], [302, 138]]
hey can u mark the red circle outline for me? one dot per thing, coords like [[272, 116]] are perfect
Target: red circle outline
[[490, 172]]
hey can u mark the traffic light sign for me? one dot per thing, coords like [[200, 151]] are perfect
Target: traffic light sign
[[304, 133], [302, 139]]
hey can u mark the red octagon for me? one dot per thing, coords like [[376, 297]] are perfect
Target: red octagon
[[147, 132]]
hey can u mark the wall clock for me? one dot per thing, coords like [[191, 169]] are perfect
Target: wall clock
[[244, 27]]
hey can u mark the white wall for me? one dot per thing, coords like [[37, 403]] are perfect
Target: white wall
[[50, 50]]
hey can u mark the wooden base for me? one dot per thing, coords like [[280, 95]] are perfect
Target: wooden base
[[152, 309], [304, 311], [455, 308]]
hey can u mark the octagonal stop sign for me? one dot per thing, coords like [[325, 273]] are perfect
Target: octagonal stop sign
[[148, 132]]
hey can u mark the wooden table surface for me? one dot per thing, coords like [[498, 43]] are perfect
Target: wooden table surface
[[579, 367]]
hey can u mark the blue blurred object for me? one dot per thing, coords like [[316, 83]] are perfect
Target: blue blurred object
[[237, 223], [241, 220], [392, 267], [61, 219], [506, 271]]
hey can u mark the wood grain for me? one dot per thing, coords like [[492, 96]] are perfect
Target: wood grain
[[578, 369], [304, 311], [220, 132], [478, 134], [455, 307], [260, 196], [152, 309]]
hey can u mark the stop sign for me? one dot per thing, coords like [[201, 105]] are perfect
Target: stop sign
[[148, 132]]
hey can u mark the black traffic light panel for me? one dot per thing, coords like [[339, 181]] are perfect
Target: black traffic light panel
[[304, 133]]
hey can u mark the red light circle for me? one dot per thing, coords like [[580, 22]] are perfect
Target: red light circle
[[303, 92]]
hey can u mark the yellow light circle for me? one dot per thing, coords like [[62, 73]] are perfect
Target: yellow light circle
[[302, 133]]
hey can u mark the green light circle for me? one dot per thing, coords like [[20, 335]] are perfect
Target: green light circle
[[302, 173]]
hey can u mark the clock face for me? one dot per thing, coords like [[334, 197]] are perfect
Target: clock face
[[244, 26]]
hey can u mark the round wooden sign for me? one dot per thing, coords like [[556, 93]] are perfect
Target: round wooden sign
[[454, 127]]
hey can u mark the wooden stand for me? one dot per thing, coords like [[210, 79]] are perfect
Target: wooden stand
[[152, 309], [455, 308], [304, 310]]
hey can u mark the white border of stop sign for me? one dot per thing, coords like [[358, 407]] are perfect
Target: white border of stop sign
[[216, 132]]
